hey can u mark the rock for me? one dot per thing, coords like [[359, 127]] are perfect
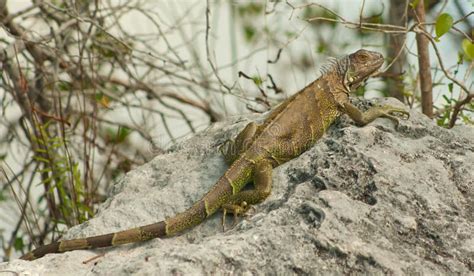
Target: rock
[[375, 199]]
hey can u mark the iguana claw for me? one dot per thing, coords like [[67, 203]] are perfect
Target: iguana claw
[[389, 112], [237, 210]]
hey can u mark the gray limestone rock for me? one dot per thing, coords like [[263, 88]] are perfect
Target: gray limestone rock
[[376, 199]]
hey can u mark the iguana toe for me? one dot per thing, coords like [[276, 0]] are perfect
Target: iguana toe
[[394, 113], [236, 210]]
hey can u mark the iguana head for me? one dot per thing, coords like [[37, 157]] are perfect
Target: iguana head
[[360, 66]]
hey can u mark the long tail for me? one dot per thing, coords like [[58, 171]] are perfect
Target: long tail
[[232, 181]]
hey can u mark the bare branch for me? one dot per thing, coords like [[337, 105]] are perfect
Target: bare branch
[[209, 60], [426, 84], [457, 108]]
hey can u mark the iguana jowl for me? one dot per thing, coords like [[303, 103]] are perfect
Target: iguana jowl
[[289, 130]]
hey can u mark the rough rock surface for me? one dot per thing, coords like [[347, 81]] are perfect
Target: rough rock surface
[[376, 199]]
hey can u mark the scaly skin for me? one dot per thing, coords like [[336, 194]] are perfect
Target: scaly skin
[[289, 130]]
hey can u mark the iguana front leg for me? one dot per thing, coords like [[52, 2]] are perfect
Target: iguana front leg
[[240, 203], [233, 149], [363, 118]]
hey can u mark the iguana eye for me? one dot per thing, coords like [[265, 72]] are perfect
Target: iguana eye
[[364, 57]]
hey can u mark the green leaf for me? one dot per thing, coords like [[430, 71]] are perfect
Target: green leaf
[[99, 96], [123, 133], [321, 48], [257, 80], [40, 159], [250, 9], [460, 58], [443, 24], [117, 135], [18, 244], [468, 48], [450, 87], [414, 3], [448, 100], [64, 86], [249, 32]]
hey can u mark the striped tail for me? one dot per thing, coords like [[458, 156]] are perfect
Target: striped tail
[[231, 182], [142, 233]]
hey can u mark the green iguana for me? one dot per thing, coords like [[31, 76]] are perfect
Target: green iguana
[[289, 130]]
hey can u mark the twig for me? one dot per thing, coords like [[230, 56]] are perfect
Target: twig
[[361, 18], [277, 89], [277, 57], [93, 258], [441, 64], [242, 74], [208, 54], [457, 108]]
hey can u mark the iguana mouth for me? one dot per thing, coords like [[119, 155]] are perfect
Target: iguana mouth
[[376, 64]]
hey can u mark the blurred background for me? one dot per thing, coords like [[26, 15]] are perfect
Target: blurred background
[[92, 89]]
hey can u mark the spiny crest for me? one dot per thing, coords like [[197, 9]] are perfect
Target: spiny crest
[[338, 65]]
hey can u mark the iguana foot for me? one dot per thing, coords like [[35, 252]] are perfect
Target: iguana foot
[[363, 118], [393, 113], [236, 209]]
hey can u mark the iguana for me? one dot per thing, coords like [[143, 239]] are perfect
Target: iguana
[[289, 130]]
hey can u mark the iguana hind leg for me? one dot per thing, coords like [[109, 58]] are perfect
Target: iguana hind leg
[[363, 118], [233, 149], [241, 202], [236, 210]]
